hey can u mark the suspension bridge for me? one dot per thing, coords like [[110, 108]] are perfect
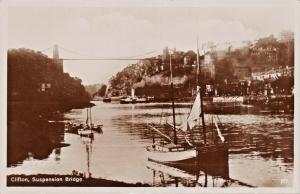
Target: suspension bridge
[[85, 57]]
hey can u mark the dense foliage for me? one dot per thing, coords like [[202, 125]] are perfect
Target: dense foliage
[[231, 66], [266, 53], [96, 89], [35, 78]]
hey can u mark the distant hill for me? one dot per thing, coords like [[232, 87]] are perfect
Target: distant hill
[[231, 65], [96, 89]]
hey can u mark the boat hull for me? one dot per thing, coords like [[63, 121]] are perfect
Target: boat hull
[[172, 156], [85, 133], [97, 129], [126, 102], [107, 100], [133, 100]]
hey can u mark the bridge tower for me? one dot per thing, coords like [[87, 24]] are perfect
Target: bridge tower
[[56, 60]]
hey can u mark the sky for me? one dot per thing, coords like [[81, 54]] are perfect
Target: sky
[[89, 32]]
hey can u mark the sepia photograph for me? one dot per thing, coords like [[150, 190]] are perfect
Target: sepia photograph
[[166, 95]]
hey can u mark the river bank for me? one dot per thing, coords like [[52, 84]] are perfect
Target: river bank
[[272, 104]]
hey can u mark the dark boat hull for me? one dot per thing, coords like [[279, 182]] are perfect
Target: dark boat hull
[[213, 162], [107, 100]]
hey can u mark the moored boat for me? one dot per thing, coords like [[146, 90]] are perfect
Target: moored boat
[[134, 99], [72, 127], [141, 100], [171, 153], [87, 129], [127, 100], [86, 132], [106, 99], [188, 149]]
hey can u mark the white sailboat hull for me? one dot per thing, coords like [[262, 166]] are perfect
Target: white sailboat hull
[[85, 133], [171, 156]]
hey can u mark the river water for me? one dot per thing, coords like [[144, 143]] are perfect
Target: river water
[[260, 149]]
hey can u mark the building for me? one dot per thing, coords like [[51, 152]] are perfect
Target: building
[[207, 66], [273, 73], [271, 54], [287, 38], [44, 87]]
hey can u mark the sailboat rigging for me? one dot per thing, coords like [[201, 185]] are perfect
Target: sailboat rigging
[[201, 94], [173, 103], [176, 151], [86, 130]]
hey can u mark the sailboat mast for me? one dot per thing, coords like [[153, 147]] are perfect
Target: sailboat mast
[[201, 93], [91, 116], [91, 119], [173, 104], [87, 116]]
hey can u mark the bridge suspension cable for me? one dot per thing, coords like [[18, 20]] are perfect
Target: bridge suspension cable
[[90, 58], [46, 49]]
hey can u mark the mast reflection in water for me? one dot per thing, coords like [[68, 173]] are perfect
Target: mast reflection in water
[[88, 141]]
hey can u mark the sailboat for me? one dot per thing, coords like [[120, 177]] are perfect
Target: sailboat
[[106, 97], [188, 150], [97, 128], [86, 130]]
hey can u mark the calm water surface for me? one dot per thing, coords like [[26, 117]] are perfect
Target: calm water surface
[[260, 149]]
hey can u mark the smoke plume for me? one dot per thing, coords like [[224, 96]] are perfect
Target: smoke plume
[[159, 80]]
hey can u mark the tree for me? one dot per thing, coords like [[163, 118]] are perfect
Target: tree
[[30, 71], [102, 90]]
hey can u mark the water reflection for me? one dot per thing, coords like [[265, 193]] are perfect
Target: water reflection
[[269, 136], [208, 172], [57, 152], [87, 142], [268, 141], [22, 144], [257, 144]]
